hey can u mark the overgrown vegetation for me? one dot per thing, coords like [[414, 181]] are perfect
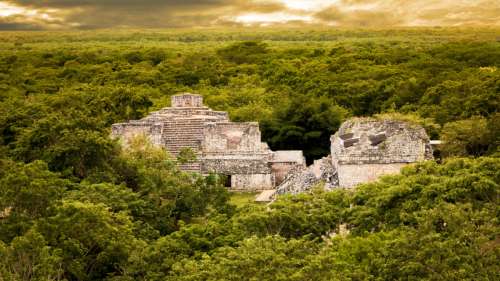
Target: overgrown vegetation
[[74, 205], [299, 85]]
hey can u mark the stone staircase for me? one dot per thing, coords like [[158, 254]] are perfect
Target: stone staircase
[[191, 167], [184, 133], [266, 196]]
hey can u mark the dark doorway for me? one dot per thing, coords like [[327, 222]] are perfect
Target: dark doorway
[[227, 180]]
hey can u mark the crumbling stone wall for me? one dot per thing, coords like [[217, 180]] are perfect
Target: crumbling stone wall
[[282, 162], [364, 149], [236, 149], [127, 131], [251, 182], [174, 128], [350, 175], [281, 170], [302, 179], [235, 164], [229, 136]]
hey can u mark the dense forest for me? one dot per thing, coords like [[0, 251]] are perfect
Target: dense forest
[[74, 205]]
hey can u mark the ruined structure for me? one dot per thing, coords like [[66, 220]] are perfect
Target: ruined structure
[[362, 150], [301, 179], [230, 148]]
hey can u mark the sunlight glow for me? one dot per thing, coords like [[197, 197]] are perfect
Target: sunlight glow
[[277, 17], [299, 10], [308, 5], [7, 10], [81, 13]]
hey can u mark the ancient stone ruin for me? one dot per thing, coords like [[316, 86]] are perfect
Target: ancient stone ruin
[[362, 150], [301, 179], [229, 148]]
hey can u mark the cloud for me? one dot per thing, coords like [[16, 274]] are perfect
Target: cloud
[[380, 13], [146, 13], [463, 13], [13, 23], [359, 18], [14, 17], [89, 14]]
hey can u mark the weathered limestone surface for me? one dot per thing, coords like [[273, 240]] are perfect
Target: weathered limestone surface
[[236, 164], [301, 179], [282, 162], [187, 100], [251, 181], [221, 146], [361, 151], [364, 149], [350, 175]]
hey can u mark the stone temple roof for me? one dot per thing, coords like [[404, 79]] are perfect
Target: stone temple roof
[[183, 107], [187, 100], [368, 140]]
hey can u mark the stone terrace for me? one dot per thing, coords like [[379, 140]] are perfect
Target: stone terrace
[[221, 146]]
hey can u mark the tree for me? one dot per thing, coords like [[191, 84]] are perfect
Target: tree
[[269, 258], [27, 192], [466, 137], [305, 124], [174, 195], [29, 258], [71, 145], [244, 52], [94, 241]]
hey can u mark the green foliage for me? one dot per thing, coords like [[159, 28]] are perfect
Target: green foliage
[[305, 123], [29, 258], [64, 143], [75, 206], [294, 216], [402, 255], [173, 195], [407, 199], [27, 192], [93, 240], [433, 222], [245, 52], [186, 155], [468, 137], [270, 258], [298, 85], [430, 126], [240, 199], [56, 228]]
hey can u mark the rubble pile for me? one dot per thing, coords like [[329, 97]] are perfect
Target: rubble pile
[[301, 179]]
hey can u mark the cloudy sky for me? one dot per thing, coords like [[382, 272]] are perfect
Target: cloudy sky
[[90, 14]]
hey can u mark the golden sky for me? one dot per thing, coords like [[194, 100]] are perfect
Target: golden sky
[[89, 14]]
